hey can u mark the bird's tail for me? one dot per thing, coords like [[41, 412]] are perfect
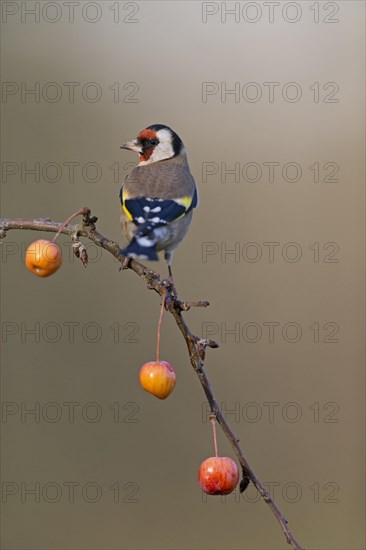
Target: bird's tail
[[141, 248]]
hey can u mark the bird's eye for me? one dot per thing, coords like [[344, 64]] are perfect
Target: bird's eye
[[154, 142]]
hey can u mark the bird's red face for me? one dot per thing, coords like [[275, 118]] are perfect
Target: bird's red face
[[155, 143], [149, 140]]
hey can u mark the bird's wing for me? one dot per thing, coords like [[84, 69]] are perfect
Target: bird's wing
[[149, 213], [168, 179], [155, 196]]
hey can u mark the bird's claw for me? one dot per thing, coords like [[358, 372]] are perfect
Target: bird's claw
[[169, 285], [125, 263]]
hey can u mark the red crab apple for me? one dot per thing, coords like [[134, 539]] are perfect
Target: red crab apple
[[218, 475], [43, 258], [158, 378]]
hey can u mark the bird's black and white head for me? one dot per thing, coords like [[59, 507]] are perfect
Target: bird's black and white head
[[155, 143]]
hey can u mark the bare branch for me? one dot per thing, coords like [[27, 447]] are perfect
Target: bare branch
[[196, 346]]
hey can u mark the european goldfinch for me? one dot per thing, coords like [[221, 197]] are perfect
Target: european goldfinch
[[158, 196]]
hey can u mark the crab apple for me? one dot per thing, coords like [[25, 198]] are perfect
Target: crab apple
[[43, 258], [218, 475], [158, 378]]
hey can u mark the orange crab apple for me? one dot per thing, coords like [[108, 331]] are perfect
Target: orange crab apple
[[218, 475], [43, 258], [158, 378]]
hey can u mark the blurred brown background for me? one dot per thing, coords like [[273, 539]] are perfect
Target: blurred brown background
[[110, 467]]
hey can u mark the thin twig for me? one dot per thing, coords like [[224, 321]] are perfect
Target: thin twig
[[213, 422], [159, 330], [196, 346], [82, 212]]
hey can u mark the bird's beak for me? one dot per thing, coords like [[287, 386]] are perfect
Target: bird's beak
[[134, 145]]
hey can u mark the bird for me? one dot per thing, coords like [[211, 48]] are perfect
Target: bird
[[158, 196]]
